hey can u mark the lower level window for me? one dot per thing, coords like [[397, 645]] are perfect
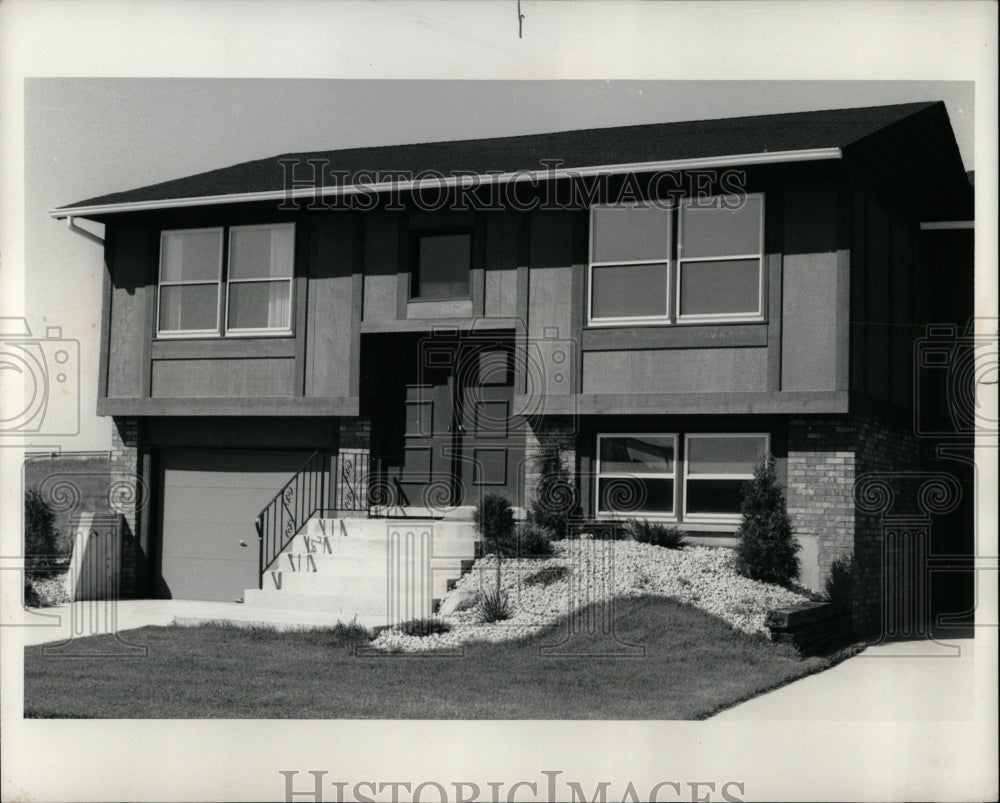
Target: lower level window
[[715, 468], [636, 475]]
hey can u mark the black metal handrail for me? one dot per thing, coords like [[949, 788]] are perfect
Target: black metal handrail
[[287, 513]]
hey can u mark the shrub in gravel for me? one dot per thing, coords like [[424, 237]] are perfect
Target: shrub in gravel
[[494, 606], [494, 521], [534, 540], [656, 533], [839, 585], [554, 502], [31, 598], [767, 549], [546, 576], [424, 627]]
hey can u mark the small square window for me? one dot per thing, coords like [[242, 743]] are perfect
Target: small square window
[[442, 263]]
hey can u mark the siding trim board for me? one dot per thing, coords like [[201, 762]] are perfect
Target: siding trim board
[[674, 337], [226, 406]]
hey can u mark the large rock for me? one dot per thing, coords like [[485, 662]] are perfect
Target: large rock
[[458, 600]]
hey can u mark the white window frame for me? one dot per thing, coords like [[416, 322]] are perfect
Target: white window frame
[[260, 331], [160, 283], [720, 317], [598, 476], [666, 262], [715, 518]]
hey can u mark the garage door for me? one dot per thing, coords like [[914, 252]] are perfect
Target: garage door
[[209, 500]]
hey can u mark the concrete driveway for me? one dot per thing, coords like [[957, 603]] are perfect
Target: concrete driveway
[[895, 681]]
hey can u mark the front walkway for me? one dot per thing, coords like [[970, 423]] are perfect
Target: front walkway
[[896, 681]]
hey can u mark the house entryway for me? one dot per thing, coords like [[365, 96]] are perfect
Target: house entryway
[[444, 429]]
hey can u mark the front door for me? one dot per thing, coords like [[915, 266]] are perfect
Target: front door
[[443, 430]]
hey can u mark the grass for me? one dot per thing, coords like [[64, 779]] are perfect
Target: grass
[[694, 665]]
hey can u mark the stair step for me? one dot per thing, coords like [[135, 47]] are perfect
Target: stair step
[[440, 545], [348, 605], [316, 583], [368, 528], [372, 563]]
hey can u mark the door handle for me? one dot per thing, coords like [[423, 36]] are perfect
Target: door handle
[[242, 542]]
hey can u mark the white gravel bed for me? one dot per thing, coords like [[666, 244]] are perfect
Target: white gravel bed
[[704, 577]]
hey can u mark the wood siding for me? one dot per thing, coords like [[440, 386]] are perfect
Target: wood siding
[[824, 245]]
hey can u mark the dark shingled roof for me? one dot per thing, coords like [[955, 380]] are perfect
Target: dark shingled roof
[[837, 128]]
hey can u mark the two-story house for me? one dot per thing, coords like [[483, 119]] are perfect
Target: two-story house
[[666, 302]]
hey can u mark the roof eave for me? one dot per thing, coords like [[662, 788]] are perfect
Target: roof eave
[[734, 160]]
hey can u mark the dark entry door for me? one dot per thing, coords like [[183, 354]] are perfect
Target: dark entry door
[[442, 416], [425, 476], [491, 437]]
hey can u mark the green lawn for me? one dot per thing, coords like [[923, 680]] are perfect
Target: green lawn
[[694, 665]]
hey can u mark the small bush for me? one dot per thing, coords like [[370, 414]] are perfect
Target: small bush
[[349, 633], [839, 585], [534, 540], [31, 597], [494, 606], [546, 576], [494, 521], [656, 533], [767, 548], [554, 502], [40, 535], [424, 627]]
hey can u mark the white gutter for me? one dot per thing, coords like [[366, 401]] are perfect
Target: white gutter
[[320, 191], [946, 225], [71, 225]]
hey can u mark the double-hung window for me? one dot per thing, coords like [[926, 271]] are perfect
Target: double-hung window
[[235, 281], [636, 474], [716, 466], [700, 261], [629, 264], [720, 259]]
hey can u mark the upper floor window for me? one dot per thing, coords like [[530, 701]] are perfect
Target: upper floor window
[[712, 270], [441, 265], [242, 285]]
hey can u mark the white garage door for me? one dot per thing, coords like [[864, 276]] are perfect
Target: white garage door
[[209, 500]]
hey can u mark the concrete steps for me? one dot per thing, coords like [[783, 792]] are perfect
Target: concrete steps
[[387, 569]]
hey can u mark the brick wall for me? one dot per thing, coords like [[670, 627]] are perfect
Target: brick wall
[[127, 495], [827, 456], [550, 430]]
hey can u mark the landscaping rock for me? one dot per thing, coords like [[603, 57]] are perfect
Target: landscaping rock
[[460, 599], [600, 570]]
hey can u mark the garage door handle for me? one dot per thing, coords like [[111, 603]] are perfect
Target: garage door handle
[[242, 542]]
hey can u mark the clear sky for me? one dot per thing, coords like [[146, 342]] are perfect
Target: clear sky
[[89, 136]]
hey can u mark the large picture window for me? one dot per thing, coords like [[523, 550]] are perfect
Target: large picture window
[[715, 468], [209, 285], [711, 271], [636, 475]]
